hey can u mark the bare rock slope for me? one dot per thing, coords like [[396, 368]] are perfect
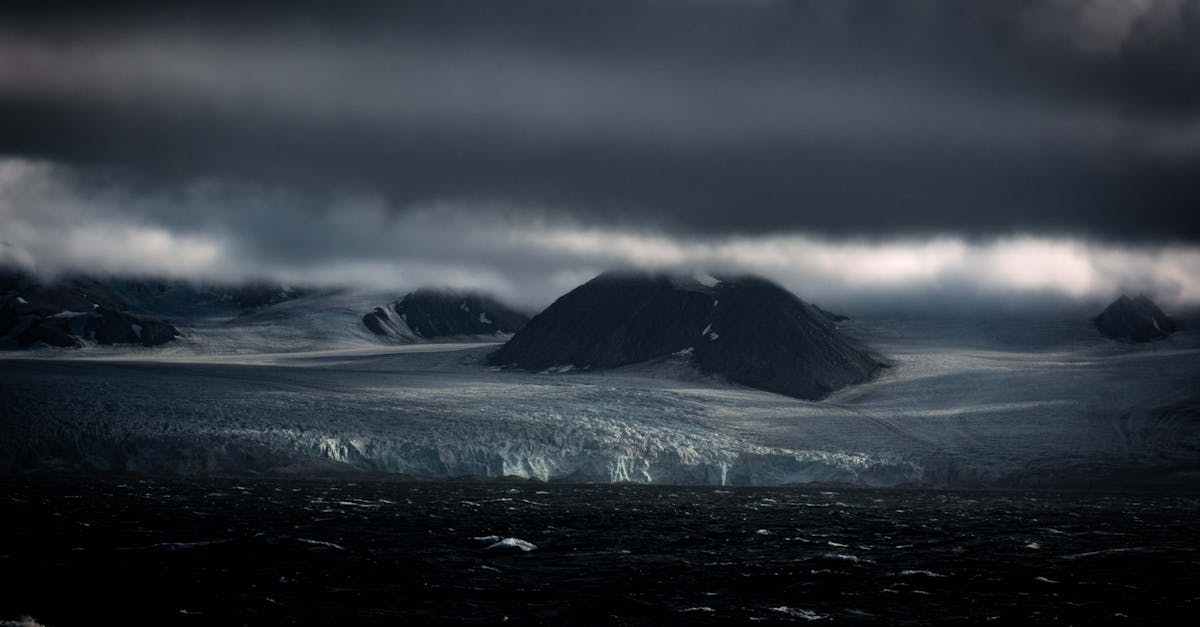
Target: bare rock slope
[[746, 329], [431, 313], [1134, 320]]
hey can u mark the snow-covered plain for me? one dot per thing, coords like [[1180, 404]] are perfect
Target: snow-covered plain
[[972, 402]]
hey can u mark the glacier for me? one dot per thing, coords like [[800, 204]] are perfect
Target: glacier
[[968, 403]]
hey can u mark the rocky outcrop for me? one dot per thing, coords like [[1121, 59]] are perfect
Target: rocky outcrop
[[109, 326], [431, 313], [746, 329], [67, 312], [1134, 320], [381, 322]]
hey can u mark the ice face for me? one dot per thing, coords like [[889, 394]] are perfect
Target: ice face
[[452, 420], [1050, 404]]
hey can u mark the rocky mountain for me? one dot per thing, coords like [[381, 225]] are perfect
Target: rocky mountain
[[74, 310], [430, 313], [1134, 320], [69, 311], [746, 329]]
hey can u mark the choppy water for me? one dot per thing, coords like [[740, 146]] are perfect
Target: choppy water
[[83, 551]]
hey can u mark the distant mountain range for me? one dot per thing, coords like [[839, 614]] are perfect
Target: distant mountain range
[[72, 311], [745, 329]]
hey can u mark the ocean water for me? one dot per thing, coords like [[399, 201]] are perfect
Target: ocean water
[[129, 549]]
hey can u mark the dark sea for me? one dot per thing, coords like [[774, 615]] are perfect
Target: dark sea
[[267, 551]]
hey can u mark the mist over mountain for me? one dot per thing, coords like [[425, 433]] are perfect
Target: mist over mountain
[[75, 310], [434, 313]]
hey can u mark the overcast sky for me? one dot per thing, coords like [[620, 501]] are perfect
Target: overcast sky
[[843, 148]]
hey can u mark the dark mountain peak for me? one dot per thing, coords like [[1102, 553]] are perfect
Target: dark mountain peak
[[441, 312], [745, 328], [615, 319], [1134, 320], [1144, 301]]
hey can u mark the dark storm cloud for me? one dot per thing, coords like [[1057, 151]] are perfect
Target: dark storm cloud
[[58, 219], [1077, 117]]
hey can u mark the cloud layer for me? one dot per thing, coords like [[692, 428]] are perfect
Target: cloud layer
[[56, 221], [852, 149]]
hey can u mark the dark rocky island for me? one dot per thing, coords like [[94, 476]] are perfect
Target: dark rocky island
[[1134, 320], [429, 313], [746, 329]]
